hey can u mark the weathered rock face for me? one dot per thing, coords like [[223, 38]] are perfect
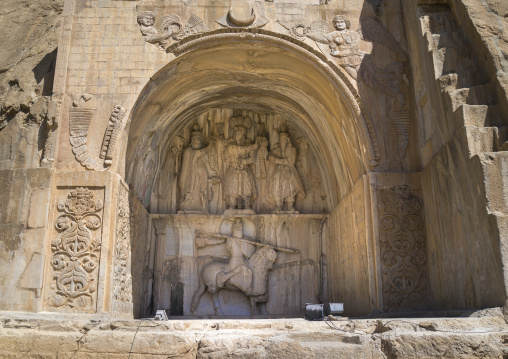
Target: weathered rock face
[[248, 157], [280, 338], [30, 32], [27, 65]]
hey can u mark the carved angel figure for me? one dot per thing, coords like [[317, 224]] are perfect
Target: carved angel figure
[[170, 28], [146, 21], [344, 43]]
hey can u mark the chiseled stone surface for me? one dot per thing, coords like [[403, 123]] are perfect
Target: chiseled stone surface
[[24, 336]]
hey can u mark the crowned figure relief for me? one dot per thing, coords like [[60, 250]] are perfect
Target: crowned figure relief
[[284, 184], [239, 183], [198, 174]]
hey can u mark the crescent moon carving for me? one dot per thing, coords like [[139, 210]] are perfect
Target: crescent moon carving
[[242, 22]]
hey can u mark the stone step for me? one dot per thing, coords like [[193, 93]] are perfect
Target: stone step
[[462, 79], [472, 115], [481, 139], [453, 59], [502, 139], [457, 58], [447, 39], [440, 19], [475, 95]]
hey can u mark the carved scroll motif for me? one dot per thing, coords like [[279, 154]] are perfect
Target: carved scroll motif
[[122, 290], [79, 124], [111, 135], [76, 252], [402, 242]]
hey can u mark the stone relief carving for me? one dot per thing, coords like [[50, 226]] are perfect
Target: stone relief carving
[[122, 285], [79, 123], [75, 253], [425, 111], [239, 183], [315, 195], [80, 119], [399, 128], [402, 241], [199, 174], [230, 162], [169, 29], [246, 270], [6, 148], [343, 42], [338, 77], [155, 274], [254, 21], [345, 45], [111, 135], [284, 183]]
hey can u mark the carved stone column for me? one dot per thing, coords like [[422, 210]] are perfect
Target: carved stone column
[[76, 252], [122, 278], [402, 244], [160, 225]]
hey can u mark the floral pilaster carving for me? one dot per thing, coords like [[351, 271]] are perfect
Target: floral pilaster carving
[[76, 252], [402, 244], [122, 292]]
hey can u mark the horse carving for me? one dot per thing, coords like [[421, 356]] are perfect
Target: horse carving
[[246, 271]]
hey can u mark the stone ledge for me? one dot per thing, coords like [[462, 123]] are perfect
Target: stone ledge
[[45, 335]]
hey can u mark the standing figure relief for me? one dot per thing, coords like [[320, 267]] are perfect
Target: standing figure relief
[[234, 168], [284, 185], [198, 175], [239, 184]]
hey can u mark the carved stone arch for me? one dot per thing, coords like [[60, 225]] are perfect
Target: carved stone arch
[[272, 73], [338, 74]]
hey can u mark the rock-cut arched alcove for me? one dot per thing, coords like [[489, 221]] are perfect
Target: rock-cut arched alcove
[[273, 122]]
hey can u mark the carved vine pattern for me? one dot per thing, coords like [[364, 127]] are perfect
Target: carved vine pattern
[[402, 242], [76, 253], [122, 277]]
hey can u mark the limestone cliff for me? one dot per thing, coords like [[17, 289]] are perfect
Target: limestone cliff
[[30, 31]]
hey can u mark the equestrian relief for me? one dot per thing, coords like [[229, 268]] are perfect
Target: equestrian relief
[[246, 270]]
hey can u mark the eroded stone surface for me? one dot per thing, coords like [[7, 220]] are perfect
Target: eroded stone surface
[[290, 338]]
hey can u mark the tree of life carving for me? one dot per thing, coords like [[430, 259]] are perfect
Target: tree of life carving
[[76, 253]]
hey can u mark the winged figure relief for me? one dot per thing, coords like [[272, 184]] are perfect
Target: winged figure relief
[[169, 29], [344, 43]]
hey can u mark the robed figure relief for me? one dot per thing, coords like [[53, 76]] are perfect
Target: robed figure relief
[[239, 183], [198, 175], [284, 183]]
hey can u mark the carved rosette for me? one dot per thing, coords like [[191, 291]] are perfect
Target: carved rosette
[[402, 243], [122, 291], [76, 252]]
